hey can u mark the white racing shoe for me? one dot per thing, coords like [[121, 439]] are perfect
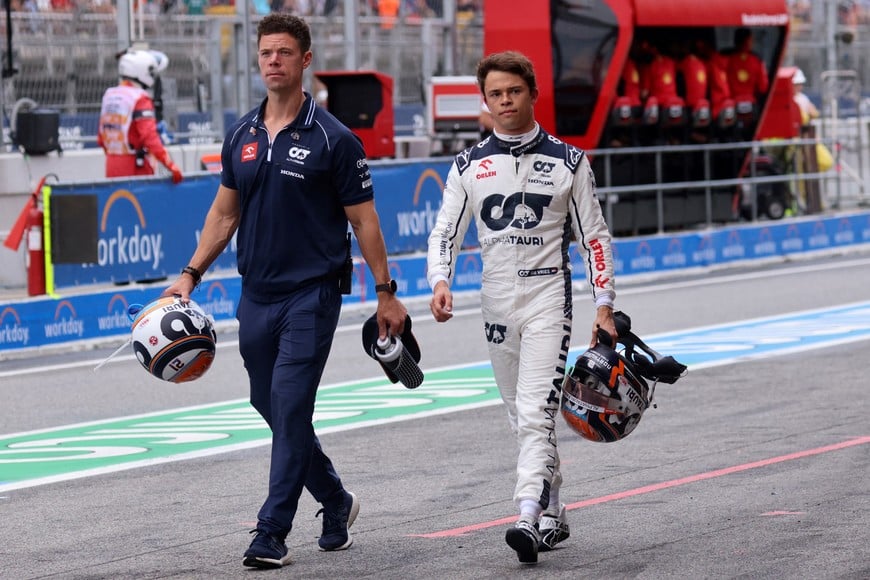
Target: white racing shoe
[[524, 537], [553, 528]]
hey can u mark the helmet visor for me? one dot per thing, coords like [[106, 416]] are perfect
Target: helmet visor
[[586, 391]]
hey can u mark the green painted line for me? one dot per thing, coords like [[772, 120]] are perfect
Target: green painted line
[[39, 457]]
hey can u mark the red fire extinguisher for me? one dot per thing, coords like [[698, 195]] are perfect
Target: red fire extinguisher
[[30, 223], [35, 251]]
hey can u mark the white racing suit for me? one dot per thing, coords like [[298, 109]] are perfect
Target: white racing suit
[[528, 202]]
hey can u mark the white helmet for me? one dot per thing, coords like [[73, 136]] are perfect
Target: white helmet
[[174, 341], [799, 78], [142, 66]]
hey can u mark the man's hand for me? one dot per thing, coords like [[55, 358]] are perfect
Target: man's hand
[[176, 173], [442, 302], [391, 315], [604, 320], [182, 287]]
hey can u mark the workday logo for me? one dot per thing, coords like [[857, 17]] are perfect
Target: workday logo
[[116, 315], [11, 331], [819, 238], [674, 256], [765, 246], [793, 241], [396, 274], [421, 220], [733, 247], [66, 323], [643, 259], [468, 271], [217, 302], [123, 244], [844, 234], [705, 253]]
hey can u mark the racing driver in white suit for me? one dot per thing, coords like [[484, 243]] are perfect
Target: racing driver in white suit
[[530, 195]]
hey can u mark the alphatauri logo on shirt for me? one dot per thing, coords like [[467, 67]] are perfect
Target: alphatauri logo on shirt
[[249, 151], [297, 155], [522, 211]]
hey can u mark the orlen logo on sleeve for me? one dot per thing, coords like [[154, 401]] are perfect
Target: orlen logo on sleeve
[[123, 246]]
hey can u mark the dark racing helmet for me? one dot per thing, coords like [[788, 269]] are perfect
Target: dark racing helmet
[[606, 393], [603, 397]]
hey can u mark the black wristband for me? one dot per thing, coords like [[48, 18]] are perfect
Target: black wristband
[[387, 287], [194, 273]]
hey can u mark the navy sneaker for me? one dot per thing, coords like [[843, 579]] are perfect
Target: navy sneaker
[[525, 538], [336, 521], [266, 551]]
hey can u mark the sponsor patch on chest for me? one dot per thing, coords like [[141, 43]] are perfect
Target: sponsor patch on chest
[[249, 151]]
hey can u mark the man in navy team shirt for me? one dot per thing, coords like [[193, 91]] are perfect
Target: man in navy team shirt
[[292, 178]]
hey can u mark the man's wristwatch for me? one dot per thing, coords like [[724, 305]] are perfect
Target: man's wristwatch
[[388, 287]]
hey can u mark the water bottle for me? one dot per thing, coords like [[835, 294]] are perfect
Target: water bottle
[[393, 355], [389, 349]]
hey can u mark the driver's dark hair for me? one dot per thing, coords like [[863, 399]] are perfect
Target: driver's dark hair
[[509, 61], [283, 22]]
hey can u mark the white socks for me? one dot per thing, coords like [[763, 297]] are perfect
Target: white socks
[[530, 508], [554, 502]]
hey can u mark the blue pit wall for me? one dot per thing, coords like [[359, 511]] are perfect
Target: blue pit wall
[[149, 228]]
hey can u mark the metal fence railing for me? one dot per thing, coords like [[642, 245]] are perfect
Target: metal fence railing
[[772, 179], [66, 61]]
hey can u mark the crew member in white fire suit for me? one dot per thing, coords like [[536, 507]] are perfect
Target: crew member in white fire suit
[[530, 195]]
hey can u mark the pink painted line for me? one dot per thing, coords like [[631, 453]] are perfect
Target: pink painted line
[[660, 486]]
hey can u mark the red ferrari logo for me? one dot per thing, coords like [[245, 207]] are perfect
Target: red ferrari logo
[[249, 151]]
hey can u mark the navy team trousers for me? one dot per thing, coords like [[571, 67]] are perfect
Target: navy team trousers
[[284, 346]]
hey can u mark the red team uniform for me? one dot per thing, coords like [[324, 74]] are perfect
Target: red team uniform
[[747, 74]]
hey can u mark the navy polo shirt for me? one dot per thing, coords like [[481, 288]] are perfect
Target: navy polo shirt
[[292, 194]]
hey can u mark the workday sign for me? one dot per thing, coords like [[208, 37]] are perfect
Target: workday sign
[[122, 245], [146, 229], [408, 197]]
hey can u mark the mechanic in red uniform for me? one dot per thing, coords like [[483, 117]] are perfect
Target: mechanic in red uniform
[[128, 122], [747, 75], [694, 88], [717, 73], [631, 83], [658, 77], [664, 109], [695, 78]]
